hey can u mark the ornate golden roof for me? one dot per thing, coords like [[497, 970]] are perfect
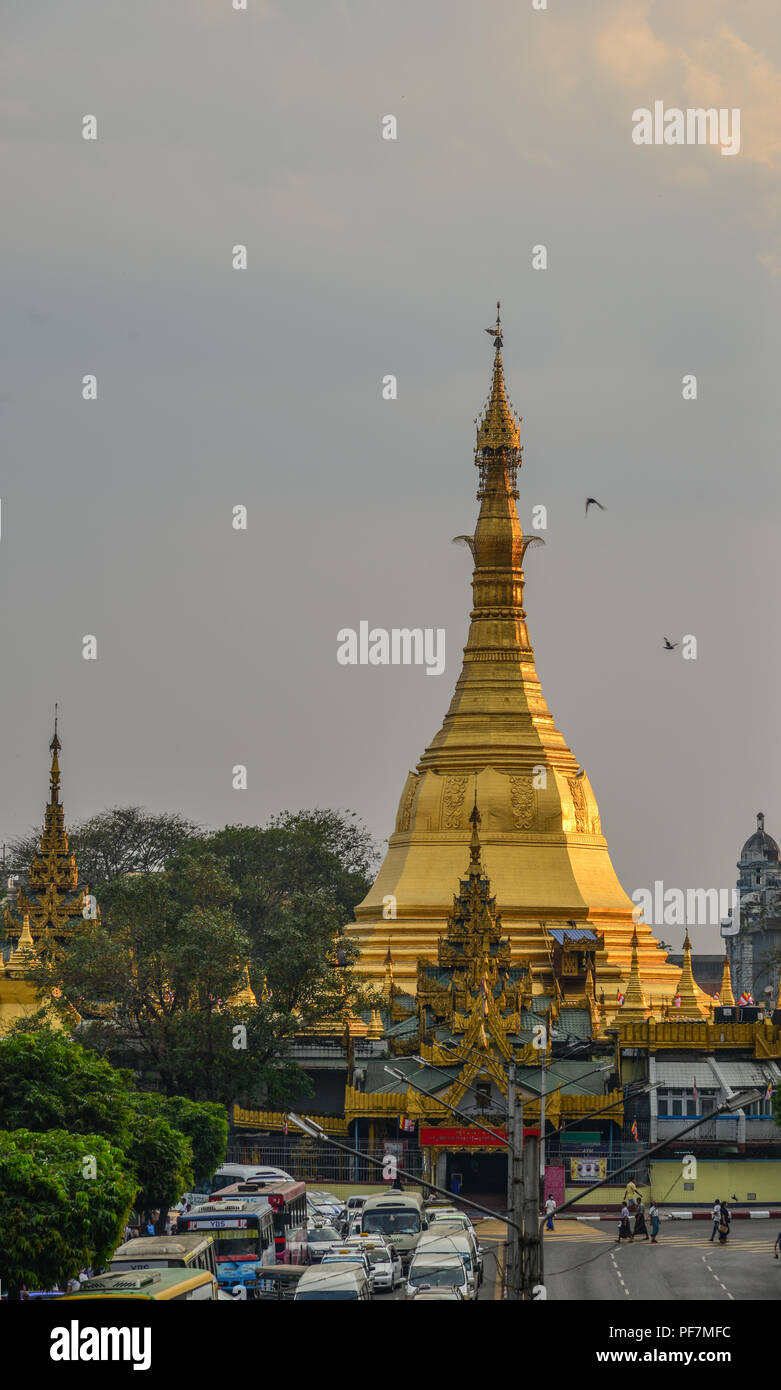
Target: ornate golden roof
[[52, 901], [498, 427]]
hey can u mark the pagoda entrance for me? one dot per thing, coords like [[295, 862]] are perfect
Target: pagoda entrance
[[477, 1172]]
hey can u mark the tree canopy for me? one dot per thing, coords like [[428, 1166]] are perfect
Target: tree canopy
[[64, 1201]]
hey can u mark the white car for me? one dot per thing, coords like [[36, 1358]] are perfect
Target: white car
[[384, 1262]]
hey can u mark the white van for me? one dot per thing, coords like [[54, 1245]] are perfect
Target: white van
[[452, 1240], [432, 1270], [333, 1281]]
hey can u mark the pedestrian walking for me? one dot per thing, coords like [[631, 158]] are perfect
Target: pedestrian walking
[[631, 1195], [640, 1227], [624, 1229], [550, 1211], [715, 1218], [653, 1212], [777, 1246], [724, 1223]]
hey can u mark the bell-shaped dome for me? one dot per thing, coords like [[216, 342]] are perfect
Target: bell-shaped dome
[[760, 845]]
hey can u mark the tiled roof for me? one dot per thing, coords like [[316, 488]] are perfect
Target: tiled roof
[[572, 934]]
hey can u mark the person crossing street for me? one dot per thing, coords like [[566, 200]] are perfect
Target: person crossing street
[[653, 1212], [715, 1218]]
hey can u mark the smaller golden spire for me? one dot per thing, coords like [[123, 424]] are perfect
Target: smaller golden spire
[[725, 994], [688, 992], [778, 998], [374, 1029], [635, 1008]]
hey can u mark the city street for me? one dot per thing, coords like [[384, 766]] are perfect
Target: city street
[[492, 1237], [583, 1261]]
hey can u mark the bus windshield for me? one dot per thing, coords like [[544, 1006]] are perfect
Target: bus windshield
[[392, 1221]]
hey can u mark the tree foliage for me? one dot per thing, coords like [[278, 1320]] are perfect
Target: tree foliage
[[122, 840], [54, 1219]]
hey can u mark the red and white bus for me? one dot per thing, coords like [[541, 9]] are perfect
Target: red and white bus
[[288, 1203]]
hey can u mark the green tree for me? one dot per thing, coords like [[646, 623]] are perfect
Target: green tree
[[55, 1220], [203, 1123], [161, 1158], [297, 881], [49, 1082], [161, 985], [119, 841]]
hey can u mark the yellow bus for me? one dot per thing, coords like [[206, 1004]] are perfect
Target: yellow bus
[[162, 1285], [185, 1250]]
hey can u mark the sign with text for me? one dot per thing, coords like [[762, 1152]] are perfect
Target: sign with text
[[461, 1138]]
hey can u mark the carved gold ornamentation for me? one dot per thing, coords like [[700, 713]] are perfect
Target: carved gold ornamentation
[[522, 802], [406, 810], [578, 803], [455, 790]]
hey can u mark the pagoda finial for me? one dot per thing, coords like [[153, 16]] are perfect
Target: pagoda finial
[[499, 429], [54, 776], [475, 867], [725, 993]]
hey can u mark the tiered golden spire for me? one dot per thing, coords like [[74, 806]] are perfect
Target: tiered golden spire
[[690, 996], [543, 847], [52, 900], [725, 994], [635, 1007], [498, 426]]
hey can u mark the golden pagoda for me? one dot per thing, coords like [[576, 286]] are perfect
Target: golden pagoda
[[53, 900], [544, 849], [725, 993]]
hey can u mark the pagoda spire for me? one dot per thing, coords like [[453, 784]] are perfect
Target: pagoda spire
[[690, 1006], [52, 900], [475, 865], [635, 1006], [725, 994], [540, 829]]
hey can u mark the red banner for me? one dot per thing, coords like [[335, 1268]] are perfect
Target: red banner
[[461, 1138]]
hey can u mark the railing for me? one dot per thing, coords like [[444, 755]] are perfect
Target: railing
[[317, 1162]]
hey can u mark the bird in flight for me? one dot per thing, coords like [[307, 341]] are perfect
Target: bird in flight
[[592, 502], [669, 646]]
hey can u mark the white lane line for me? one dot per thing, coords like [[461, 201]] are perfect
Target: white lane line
[[718, 1281]]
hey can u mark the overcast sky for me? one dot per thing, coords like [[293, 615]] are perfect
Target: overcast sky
[[262, 387]]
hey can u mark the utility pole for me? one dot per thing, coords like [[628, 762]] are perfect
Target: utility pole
[[515, 1189], [532, 1261]]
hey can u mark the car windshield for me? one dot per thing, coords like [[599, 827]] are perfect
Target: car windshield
[[322, 1233], [326, 1293], [392, 1223], [436, 1277], [378, 1257]]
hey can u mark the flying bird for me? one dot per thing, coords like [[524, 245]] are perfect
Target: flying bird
[[669, 646], [592, 502], [465, 540]]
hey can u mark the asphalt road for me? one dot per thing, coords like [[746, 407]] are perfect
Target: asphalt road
[[584, 1262]]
